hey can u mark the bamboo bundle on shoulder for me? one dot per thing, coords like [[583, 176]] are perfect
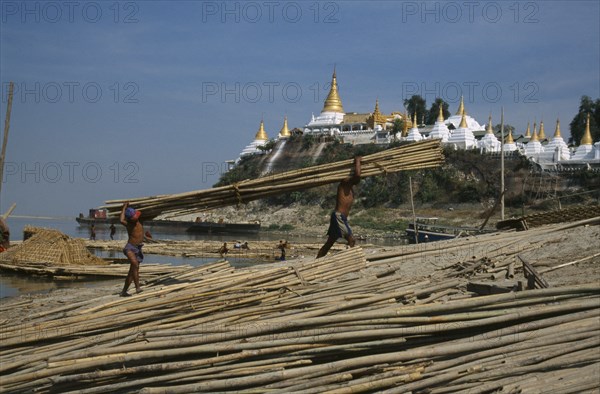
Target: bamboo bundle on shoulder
[[415, 156]]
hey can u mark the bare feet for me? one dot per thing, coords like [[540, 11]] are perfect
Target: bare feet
[[124, 294], [138, 291]]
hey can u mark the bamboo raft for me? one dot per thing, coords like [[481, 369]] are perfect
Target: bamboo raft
[[345, 323], [148, 271], [49, 252], [264, 250], [420, 155]]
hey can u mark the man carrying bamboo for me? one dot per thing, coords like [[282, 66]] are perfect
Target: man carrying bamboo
[[338, 225], [133, 250]]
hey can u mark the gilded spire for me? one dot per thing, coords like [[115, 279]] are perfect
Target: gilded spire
[[542, 134], [284, 132], [461, 106], [333, 103], [587, 136], [441, 113], [261, 134], [415, 120], [557, 131], [528, 132], [376, 111], [534, 137], [490, 128], [509, 139], [463, 121], [534, 127]]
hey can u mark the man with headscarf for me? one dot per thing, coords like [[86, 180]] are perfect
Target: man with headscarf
[[133, 249]]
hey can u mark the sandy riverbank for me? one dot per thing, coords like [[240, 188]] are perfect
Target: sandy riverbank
[[542, 250]]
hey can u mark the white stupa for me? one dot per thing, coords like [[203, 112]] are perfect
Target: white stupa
[[585, 150], [413, 134], [556, 150], [456, 119], [260, 139], [332, 114], [489, 142], [440, 130], [462, 138], [534, 147], [509, 144]]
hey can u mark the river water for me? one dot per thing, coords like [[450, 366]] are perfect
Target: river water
[[12, 284]]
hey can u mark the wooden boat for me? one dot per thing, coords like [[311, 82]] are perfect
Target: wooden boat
[[429, 231]]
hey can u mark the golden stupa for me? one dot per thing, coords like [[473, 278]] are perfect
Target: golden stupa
[[261, 134], [333, 103], [284, 132]]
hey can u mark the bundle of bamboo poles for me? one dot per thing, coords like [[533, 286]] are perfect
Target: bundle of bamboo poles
[[415, 156], [288, 328], [96, 271]]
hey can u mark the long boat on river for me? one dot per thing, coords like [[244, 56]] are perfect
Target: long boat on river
[[429, 231]]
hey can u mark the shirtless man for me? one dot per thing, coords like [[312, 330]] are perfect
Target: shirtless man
[[338, 225], [133, 250]]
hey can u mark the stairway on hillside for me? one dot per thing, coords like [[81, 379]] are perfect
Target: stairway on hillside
[[289, 155]]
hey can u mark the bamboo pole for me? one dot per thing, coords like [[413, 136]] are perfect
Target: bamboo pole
[[11, 87], [415, 156], [567, 264]]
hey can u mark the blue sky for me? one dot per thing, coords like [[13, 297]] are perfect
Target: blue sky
[[124, 99]]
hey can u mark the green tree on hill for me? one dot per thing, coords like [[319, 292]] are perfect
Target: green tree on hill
[[418, 104], [397, 127], [586, 106], [507, 128], [434, 111]]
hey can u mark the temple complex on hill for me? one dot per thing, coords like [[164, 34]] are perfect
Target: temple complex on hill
[[353, 127], [459, 131]]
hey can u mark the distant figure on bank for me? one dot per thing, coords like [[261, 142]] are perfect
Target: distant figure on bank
[[245, 246], [4, 235], [282, 247], [93, 233], [223, 250], [113, 231], [338, 225], [130, 218]]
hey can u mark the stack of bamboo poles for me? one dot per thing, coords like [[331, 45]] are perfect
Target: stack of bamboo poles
[[415, 156], [290, 328], [148, 272]]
